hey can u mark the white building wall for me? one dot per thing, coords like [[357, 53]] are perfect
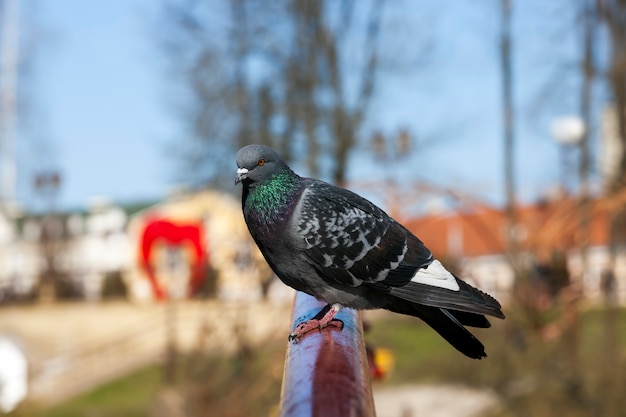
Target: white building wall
[[491, 274], [494, 275]]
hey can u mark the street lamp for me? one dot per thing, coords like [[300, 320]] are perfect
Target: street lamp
[[568, 130]]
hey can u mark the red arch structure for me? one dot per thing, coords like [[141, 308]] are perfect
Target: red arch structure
[[158, 230]]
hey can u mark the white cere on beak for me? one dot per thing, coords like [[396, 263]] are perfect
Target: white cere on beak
[[242, 173]]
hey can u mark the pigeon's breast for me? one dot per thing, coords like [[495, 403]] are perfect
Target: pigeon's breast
[[267, 211]]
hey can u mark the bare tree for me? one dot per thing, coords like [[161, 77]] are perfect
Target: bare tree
[[286, 74], [613, 15]]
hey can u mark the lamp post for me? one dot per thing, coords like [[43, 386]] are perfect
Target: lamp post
[[570, 132]]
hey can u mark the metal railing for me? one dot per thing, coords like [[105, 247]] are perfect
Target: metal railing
[[326, 373]]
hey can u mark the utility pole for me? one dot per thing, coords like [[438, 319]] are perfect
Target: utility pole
[[509, 132], [9, 21]]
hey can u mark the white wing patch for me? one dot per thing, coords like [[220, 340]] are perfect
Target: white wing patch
[[437, 276]]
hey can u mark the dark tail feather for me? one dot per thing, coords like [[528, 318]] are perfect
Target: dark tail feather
[[446, 324], [471, 319], [467, 298]]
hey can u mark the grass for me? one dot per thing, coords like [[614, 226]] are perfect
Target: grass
[[416, 348], [531, 374], [580, 373], [129, 396], [244, 384]]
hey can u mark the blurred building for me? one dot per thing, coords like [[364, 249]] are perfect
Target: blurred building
[[195, 244], [187, 245], [71, 252], [548, 232]]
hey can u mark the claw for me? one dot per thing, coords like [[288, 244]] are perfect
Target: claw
[[313, 324]]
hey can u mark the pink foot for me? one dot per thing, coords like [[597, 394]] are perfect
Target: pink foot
[[325, 318]]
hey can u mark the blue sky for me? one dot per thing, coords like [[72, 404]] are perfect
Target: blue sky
[[101, 99], [103, 118]]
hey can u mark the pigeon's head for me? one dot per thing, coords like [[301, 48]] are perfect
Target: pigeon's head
[[256, 163]]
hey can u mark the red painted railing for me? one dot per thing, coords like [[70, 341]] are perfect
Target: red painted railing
[[326, 373]]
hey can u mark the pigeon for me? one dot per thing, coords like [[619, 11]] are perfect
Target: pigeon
[[344, 250]]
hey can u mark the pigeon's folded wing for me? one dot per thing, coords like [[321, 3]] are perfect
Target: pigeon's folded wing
[[351, 240]]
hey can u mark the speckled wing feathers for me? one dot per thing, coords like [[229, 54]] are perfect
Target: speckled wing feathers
[[352, 241]]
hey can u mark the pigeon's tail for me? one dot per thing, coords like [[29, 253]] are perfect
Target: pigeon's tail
[[449, 324], [466, 299]]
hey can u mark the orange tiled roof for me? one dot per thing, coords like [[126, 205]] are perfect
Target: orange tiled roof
[[481, 231]]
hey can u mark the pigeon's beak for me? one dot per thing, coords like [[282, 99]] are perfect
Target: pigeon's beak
[[242, 174]]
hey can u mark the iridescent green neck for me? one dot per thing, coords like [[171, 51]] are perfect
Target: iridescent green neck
[[271, 199]]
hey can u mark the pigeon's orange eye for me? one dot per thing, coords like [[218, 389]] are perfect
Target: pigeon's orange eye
[[261, 162]]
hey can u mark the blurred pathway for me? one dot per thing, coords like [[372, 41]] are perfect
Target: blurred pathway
[[432, 401], [72, 347]]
